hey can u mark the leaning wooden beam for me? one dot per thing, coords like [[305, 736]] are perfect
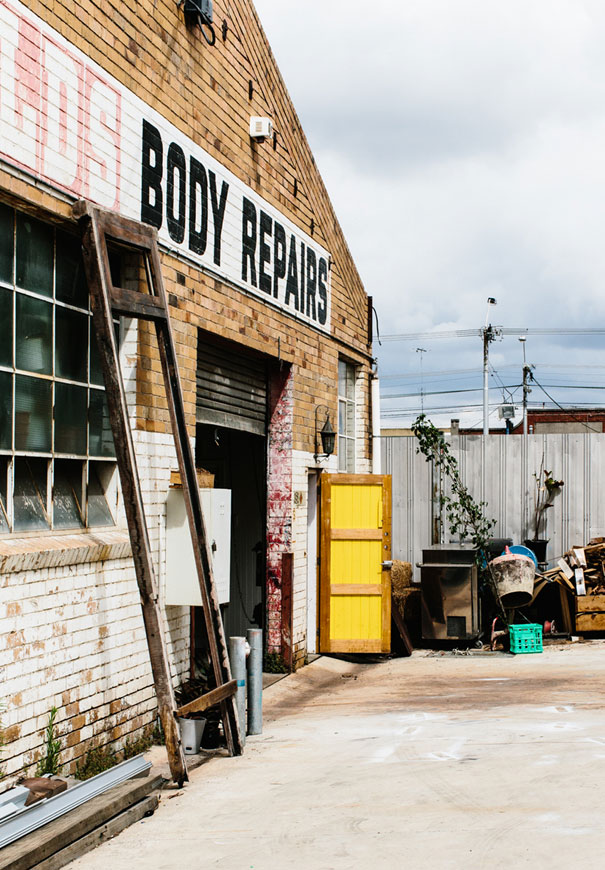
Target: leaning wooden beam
[[210, 699], [96, 265], [201, 544], [97, 225]]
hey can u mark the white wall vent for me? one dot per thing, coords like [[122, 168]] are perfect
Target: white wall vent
[[261, 128]]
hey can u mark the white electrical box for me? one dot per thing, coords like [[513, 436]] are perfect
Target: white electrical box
[[261, 128], [182, 586]]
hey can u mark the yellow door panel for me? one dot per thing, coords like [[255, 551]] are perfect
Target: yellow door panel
[[356, 507], [356, 561], [358, 617], [355, 589]]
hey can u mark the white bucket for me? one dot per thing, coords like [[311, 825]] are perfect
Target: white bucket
[[191, 734]]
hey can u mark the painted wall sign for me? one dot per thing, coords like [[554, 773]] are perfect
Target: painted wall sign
[[64, 119]]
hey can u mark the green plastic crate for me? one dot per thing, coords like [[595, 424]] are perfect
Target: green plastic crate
[[525, 638]]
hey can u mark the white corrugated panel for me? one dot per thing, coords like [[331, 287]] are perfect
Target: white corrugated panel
[[578, 511]]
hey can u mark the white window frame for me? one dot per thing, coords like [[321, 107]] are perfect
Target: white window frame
[[347, 383]]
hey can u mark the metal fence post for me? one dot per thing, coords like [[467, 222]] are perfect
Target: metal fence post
[[237, 658], [255, 681]]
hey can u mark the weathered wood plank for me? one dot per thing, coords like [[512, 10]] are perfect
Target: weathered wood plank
[[36, 847], [590, 622], [131, 303], [565, 610], [97, 226], [387, 523], [357, 534], [105, 832], [201, 545], [325, 562], [356, 589], [402, 629], [355, 645], [287, 611], [94, 225], [210, 699], [591, 603]]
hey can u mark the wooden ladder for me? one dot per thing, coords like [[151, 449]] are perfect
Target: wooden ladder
[[97, 227]]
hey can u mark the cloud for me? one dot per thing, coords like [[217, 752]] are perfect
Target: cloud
[[463, 147]]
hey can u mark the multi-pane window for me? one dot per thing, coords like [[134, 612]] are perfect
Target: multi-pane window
[[56, 447], [346, 417]]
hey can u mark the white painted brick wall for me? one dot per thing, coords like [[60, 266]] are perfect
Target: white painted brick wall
[[73, 636]]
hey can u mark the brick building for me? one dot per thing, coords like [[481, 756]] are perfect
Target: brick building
[[127, 106]]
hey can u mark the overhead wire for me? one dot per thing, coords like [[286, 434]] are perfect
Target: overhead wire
[[502, 330], [539, 365], [574, 417]]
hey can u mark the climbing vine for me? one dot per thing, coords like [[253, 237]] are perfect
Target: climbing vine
[[466, 517]]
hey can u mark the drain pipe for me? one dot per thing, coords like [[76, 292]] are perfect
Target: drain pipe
[[237, 659], [254, 637], [376, 437]]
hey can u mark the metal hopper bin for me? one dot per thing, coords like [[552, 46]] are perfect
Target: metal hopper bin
[[450, 593]]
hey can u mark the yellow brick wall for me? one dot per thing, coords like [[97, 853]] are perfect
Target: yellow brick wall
[[205, 93]]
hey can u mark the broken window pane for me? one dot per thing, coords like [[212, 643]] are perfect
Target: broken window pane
[[71, 340], [70, 419], [6, 243], [100, 438], [34, 255], [96, 375], [6, 410], [33, 414], [4, 526], [70, 281], [6, 319], [30, 491], [34, 335], [67, 494], [99, 479]]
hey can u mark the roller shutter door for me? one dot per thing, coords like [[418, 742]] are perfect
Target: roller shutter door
[[231, 388]]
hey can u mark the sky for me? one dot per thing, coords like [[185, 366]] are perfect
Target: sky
[[462, 143]]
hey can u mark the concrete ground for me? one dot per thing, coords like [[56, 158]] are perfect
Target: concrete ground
[[439, 761]]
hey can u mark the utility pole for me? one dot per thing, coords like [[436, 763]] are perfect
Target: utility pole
[[489, 334], [421, 350], [527, 376]]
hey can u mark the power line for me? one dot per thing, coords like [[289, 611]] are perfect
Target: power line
[[501, 330], [583, 422], [414, 410], [553, 366], [479, 389], [496, 375], [453, 372], [439, 392]]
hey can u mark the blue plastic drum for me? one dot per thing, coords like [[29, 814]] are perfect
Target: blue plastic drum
[[520, 550]]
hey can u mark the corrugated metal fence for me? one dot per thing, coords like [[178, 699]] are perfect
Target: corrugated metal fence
[[577, 515]]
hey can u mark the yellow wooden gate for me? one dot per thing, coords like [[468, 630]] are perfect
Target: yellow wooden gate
[[355, 589]]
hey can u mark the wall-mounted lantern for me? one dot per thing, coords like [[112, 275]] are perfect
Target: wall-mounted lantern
[[326, 435]]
